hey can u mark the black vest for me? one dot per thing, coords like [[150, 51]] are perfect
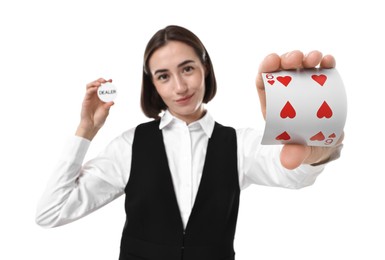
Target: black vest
[[154, 228]]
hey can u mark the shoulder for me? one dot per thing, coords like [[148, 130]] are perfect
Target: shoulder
[[125, 140], [147, 127], [221, 127], [130, 133], [224, 132], [150, 124], [141, 131]]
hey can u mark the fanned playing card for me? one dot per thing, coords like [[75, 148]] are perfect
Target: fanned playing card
[[306, 106]]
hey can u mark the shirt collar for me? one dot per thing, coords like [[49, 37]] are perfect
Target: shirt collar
[[206, 122]]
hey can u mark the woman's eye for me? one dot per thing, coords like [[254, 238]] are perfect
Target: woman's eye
[[188, 69], [163, 77]]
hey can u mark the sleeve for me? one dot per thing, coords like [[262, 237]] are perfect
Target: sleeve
[[75, 190], [260, 164]]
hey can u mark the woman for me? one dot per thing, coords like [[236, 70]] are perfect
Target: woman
[[182, 172]]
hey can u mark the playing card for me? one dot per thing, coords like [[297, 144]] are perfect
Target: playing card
[[306, 106]]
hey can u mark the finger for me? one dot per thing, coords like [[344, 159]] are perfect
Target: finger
[[271, 63], [105, 111], [320, 153], [97, 83], [108, 105], [293, 155], [328, 62], [102, 80], [93, 84], [91, 90], [312, 59], [292, 60]]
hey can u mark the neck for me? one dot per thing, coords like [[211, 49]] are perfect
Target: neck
[[188, 119]]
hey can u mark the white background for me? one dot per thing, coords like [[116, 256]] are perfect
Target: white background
[[49, 51]]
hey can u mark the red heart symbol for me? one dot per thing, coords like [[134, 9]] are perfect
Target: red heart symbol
[[320, 79], [333, 135], [284, 136], [324, 111], [318, 137], [285, 80], [288, 111], [271, 82]]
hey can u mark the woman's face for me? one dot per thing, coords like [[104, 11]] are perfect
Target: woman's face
[[179, 78]]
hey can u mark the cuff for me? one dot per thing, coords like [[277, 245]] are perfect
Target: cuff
[[307, 174]]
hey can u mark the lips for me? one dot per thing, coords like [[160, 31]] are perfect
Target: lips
[[184, 99]]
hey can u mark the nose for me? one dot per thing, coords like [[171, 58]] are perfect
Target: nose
[[180, 85]]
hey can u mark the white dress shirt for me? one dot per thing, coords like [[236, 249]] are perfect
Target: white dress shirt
[[75, 190]]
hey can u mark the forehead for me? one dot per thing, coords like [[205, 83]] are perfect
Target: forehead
[[171, 55]]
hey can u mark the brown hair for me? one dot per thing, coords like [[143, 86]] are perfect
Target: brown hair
[[151, 103]]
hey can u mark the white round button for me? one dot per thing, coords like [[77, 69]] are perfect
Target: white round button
[[107, 92]]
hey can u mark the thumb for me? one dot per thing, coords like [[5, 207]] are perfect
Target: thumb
[[108, 105], [293, 155], [106, 108]]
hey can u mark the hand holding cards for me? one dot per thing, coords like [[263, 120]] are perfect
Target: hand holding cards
[[306, 106]]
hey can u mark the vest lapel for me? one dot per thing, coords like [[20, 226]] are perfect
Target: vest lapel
[[168, 176], [201, 183]]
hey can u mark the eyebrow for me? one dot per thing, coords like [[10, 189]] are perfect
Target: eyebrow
[[179, 65]]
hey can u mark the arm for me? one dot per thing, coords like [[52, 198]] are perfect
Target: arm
[[75, 190], [293, 155]]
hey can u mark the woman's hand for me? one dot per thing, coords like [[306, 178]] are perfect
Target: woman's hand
[[293, 155], [94, 111]]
